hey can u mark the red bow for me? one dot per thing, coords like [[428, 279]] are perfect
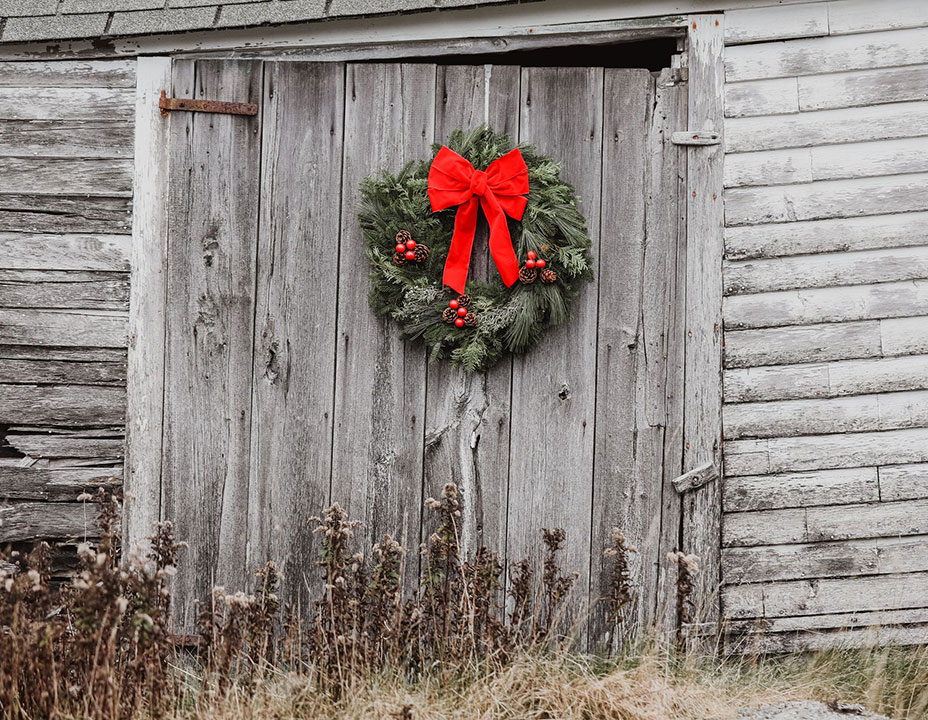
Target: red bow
[[499, 190]]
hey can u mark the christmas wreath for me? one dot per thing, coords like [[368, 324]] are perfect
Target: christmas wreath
[[419, 227]]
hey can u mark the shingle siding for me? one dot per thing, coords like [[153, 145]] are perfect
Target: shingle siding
[[54, 27], [146, 22]]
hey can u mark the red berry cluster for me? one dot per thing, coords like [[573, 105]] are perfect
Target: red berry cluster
[[533, 261], [460, 311], [408, 249]]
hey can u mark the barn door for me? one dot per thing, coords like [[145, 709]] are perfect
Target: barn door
[[282, 392]]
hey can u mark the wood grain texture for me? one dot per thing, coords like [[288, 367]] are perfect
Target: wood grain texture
[[148, 297], [55, 485], [702, 430], [27, 251], [62, 371], [467, 416], [67, 405], [65, 214], [904, 336], [819, 452], [54, 103], [764, 642], [66, 138], [291, 434], [762, 97], [109, 177], [859, 16], [863, 87], [69, 73], [212, 233], [554, 386], [805, 344], [380, 393], [904, 482], [75, 328], [802, 489], [833, 235], [64, 289], [780, 22], [21, 521]]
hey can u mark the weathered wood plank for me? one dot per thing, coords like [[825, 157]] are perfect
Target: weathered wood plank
[[827, 162], [766, 643], [295, 342], [43, 484], [819, 236], [853, 558], [859, 413], [762, 97], [110, 177], [817, 487], [826, 199], [827, 127], [65, 214], [66, 354], [553, 390], [78, 445], [77, 328], [833, 621], [379, 378], [852, 268], [817, 305], [806, 344], [147, 331], [61, 372], [904, 336], [826, 523], [64, 289], [904, 482], [67, 405], [826, 55], [859, 16], [25, 251], [212, 232], [52, 103], [467, 416], [818, 452], [780, 22], [66, 138], [702, 429], [48, 521], [829, 595], [69, 73], [863, 87]]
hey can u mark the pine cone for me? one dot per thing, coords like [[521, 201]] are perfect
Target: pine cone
[[399, 259], [527, 275], [402, 236], [470, 320], [422, 253], [464, 300], [450, 315], [548, 276]]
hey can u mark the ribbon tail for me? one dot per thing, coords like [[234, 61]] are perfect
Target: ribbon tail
[[462, 242], [500, 242]]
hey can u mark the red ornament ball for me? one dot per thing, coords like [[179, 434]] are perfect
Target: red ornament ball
[[411, 244], [453, 304], [410, 254], [531, 255], [540, 264], [529, 263], [400, 248], [459, 322], [462, 311]]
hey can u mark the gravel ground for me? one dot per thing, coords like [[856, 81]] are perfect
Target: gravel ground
[[807, 711]]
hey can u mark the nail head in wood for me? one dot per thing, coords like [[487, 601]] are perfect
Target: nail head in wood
[[696, 137], [696, 478]]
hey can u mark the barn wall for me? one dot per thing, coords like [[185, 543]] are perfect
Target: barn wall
[[826, 342], [66, 147]]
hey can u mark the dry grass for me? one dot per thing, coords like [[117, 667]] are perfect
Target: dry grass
[[100, 646]]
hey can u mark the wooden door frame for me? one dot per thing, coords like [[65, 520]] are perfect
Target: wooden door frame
[[701, 532]]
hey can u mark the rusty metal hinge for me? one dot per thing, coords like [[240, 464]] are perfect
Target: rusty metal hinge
[[209, 106], [696, 137]]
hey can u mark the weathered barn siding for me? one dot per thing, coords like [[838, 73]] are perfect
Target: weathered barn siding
[[66, 149], [826, 320]]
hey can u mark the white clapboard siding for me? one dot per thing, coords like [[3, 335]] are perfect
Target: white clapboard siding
[[833, 304], [863, 87], [28, 251], [775, 23], [826, 270], [903, 482], [826, 199], [27, 103], [871, 556], [827, 127], [833, 235], [802, 489], [78, 73], [827, 162], [804, 344], [860, 16], [813, 56], [830, 595], [819, 452], [826, 523], [904, 336], [858, 413], [827, 380], [109, 177], [762, 97]]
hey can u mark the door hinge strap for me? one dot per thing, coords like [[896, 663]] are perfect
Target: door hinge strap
[[696, 137], [209, 106]]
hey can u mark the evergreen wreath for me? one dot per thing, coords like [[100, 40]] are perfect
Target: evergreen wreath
[[476, 329]]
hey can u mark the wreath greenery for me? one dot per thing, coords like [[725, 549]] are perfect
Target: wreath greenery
[[505, 320]]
